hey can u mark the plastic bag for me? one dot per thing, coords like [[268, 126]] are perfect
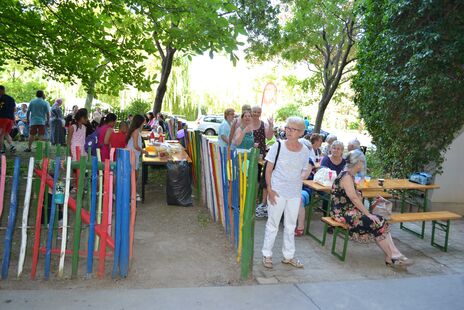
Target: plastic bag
[[325, 176], [178, 184], [382, 207]]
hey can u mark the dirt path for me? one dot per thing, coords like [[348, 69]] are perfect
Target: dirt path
[[174, 247]]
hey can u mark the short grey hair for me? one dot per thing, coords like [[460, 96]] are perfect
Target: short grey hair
[[331, 138], [338, 143], [354, 157], [296, 120], [355, 144], [256, 108]]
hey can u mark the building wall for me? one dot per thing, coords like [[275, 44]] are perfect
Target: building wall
[[451, 193]]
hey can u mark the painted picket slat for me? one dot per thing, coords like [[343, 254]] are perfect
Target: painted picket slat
[[11, 219], [93, 206], [48, 254], [27, 199], [125, 212], [133, 204], [38, 218], [2, 183], [104, 224], [64, 232], [78, 222]]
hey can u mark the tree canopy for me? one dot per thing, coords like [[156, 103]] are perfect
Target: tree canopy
[[188, 27], [410, 81], [101, 43], [319, 34]]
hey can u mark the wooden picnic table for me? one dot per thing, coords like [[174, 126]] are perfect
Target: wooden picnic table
[[395, 184], [156, 161], [401, 185], [389, 184]]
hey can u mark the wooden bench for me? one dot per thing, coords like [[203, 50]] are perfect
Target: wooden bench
[[441, 220]]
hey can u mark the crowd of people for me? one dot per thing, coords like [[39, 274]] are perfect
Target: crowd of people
[[292, 157], [78, 131]]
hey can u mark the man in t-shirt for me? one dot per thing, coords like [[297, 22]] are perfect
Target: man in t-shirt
[[38, 115], [7, 117]]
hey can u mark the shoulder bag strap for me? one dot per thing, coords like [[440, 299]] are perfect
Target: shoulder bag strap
[[277, 155]]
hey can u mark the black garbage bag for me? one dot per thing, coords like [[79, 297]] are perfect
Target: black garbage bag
[[179, 184]]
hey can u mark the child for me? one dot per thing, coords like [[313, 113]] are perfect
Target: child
[[104, 134], [77, 132], [118, 139], [134, 142]]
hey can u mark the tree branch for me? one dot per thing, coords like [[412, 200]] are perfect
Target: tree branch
[[160, 49]]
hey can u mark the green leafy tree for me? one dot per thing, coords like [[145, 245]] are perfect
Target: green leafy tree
[[320, 34], [186, 28], [138, 106], [100, 43], [19, 82], [287, 111], [410, 82]]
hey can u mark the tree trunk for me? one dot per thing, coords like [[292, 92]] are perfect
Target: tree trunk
[[320, 114], [166, 67], [90, 96]]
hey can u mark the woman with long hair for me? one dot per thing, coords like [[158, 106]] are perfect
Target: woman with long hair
[[134, 142], [77, 132]]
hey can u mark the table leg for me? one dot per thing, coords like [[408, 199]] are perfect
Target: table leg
[[424, 209], [311, 207]]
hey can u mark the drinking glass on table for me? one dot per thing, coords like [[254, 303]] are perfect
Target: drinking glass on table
[[367, 179], [357, 179]]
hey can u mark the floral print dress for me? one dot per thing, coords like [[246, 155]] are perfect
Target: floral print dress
[[362, 228]]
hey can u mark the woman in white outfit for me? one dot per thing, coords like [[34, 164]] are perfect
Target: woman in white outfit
[[285, 172]]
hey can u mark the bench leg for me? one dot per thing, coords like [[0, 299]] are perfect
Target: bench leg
[[445, 227], [310, 211], [345, 234], [420, 234]]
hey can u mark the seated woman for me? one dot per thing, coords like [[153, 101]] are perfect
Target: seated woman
[[335, 161], [243, 138], [316, 142], [23, 124], [326, 149], [348, 208]]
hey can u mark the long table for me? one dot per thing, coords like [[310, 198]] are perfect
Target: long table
[[401, 185], [159, 162]]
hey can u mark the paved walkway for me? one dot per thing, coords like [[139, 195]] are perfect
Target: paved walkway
[[440, 292], [363, 261]]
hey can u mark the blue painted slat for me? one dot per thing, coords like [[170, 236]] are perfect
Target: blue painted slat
[[11, 219], [117, 222], [93, 203], [125, 214]]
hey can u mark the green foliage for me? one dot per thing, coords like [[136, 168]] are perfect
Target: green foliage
[[287, 111], [100, 43], [410, 81], [188, 27], [374, 164], [178, 99], [138, 106], [23, 91], [353, 125], [317, 33]]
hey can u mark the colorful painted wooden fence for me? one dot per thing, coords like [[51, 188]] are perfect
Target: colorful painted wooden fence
[[227, 183], [47, 197]]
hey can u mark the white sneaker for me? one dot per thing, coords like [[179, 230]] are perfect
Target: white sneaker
[[138, 198]]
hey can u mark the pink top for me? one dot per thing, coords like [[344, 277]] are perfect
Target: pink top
[[104, 148], [78, 139]]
